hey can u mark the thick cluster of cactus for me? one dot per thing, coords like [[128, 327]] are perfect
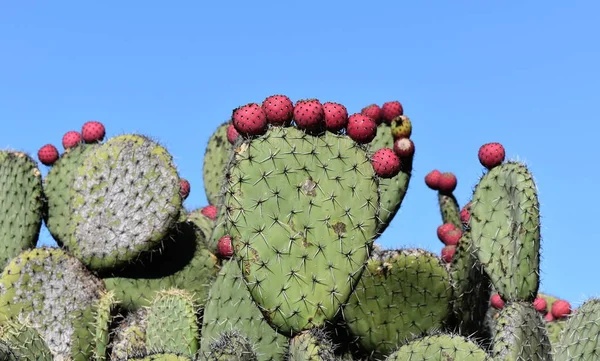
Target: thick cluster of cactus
[[282, 264]]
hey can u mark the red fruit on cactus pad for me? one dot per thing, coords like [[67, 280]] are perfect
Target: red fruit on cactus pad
[[404, 147], [48, 154], [561, 309], [336, 116], [540, 304], [465, 214], [232, 134], [71, 139], [372, 111], [452, 237], [361, 128], [184, 188], [250, 119], [549, 317], [210, 212], [386, 163], [491, 155], [224, 247], [448, 253], [432, 179], [279, 109], [92, 132], [309, 114], [447, 183], [391, 110], [497, 301], [443, 229]]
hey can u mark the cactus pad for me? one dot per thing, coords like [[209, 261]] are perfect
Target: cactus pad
[[312, 345], [24, 343], [580, 338], [130, 335], [216, 158], [449, 209], [104, 313], [231, 346], [440, 348]]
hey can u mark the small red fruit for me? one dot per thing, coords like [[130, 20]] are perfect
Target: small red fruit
[[279, 109], [391, 110], [549, 317], [184, 188], [232, 134], [497, 301], [71, 139], [432, 179], [224, 247], [443, 229], [447, 183], [452, 237], [561, 309], [540, 304], [404, 147], [465, 214], [92, 132], [361, 128], [250, 119], [309, 114], [448, 253], [386, 163], [491, 155], [48, 154], [372, 111], [210, 212], [336, 116]]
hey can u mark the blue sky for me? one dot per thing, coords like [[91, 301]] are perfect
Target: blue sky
[[468, 72]]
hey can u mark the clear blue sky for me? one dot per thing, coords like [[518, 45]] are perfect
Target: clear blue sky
[[468, 72]]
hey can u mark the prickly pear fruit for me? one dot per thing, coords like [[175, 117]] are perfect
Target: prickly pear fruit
[[250, 119], [48, 154], [361, 128], [279, 109], [93, 132], [386, 163], [491, 155]]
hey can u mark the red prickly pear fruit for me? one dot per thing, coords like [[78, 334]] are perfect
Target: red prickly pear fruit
[[443, 229], [491, 155], [372, 111], [184, 188], [540, 304], [391, 110], [448, 253], [279, 109], [93, 132], [309, 114], [361, 128], [232, 134], [432, 179], [549, 317], [48, 154], [447, 183], [336, 116], [465, 214], [497, 301], [210, 212], [71, 139], [404, 147], [224, 247], [561, 309], [386, 163], [250, 119], [452, 237]]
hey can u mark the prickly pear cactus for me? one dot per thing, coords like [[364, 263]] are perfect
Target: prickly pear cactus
[[23, 343], [580, 339], [449, 209], [130, 335], [312, 345], [231, 346], [440, 348], [217, 155]]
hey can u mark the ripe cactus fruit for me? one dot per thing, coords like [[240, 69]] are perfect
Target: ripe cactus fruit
[[401, 127], [232, 133], [361, 128], [496, 301], [336, 116], [93, 132], [224, 247], [250, 119], [465, 214], [579, 339], [443, 229], [216, 157], [507, 195], [279, 109], [372, 111], [452, 237], [561, 309], [400, 294], [404, 147], [448, 253], [440, 348], [391, 110], [71, 139], [385, 163], [48, 154], [309, 114], [432, 179], [184, 188], [209, 211], [106, 228], [447, 183], [335, 202], [491, 155], [540, 305]]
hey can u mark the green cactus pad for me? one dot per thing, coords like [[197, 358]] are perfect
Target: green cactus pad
[[54, 293], [520, 335], [302, 212], [401, 294], [57, 187], [231, 308], [580, 339], [312, 345], [103, 317], [216, 157], [173, 323], [160, 357], [440, 348], [391, 190], [24, 342], [130, 335], [183, 262], [449, 209], [204, 224], [124, 200], [505, 228], [231, 346], [21, 204]]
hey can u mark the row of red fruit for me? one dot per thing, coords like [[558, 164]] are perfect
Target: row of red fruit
[[91, 132], [560, 308]]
